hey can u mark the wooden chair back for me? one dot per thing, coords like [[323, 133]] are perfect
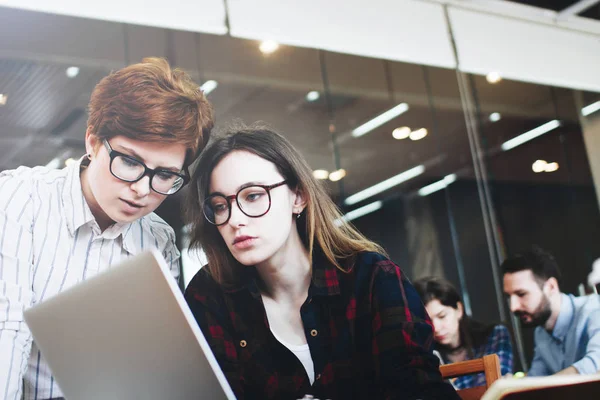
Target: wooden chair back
[[489, 365]]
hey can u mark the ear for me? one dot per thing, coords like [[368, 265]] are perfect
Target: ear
[[299, 201], [552, 285], [460, 309], [92, 142]]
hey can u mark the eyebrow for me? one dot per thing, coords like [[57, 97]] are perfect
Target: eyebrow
[[242, 186], [140, 158]]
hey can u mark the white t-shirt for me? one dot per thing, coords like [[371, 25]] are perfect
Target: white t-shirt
[[303, 353]]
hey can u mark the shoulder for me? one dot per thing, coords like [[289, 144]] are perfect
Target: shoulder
[[588, 307], [204, 290], [499, 335], [374, 263], [18, 185], [500, 331], [156, 227]]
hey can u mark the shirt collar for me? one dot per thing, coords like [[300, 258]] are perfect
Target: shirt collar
[[565, 316], [77, 211]]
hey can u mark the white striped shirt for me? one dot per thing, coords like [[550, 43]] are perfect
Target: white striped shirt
[[49, 241]]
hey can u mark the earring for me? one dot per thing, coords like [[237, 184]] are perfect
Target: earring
[[298, 215], [88, 156]]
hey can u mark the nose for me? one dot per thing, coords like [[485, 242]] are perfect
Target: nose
[[237, 217], [437, 325], [514, 303], [142, 187]]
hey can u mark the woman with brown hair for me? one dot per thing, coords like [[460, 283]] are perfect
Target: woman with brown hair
[[147, 122], [458, 337], [294, 300]]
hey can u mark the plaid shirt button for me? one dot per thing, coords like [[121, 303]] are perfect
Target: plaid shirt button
[[314, 333], [243, 343]]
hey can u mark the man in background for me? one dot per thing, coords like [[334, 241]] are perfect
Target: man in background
[[567, 333]]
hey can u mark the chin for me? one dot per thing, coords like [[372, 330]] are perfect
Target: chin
[[248, 258]]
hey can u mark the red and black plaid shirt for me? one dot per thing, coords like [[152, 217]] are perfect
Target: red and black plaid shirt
[[367, 330]]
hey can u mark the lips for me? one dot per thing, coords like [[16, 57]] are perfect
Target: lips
[[242, 238], [133, 204]]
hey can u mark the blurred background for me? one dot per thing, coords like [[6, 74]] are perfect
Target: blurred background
[[453, 133]]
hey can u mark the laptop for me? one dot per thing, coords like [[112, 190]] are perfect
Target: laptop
[[127, 334]]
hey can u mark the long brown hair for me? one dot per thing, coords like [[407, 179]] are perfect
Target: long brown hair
[[320, 226], [472, 333]]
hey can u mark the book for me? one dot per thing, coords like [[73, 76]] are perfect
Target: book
[[545, 388]]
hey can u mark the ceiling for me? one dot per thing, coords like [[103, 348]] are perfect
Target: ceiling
[[45, 118]]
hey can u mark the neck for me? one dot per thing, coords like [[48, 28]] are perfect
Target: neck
[[555, 303], [286, 276], [101, 218]]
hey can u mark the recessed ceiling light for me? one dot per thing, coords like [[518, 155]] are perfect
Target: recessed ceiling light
[[3, 99], [493, 77], [337, 175], [72, 72], [320, 174], [539, 166], [268, 46], [401, 133], [495, 117], [209, 86], [551, 167], [418, 134], [312, 96]]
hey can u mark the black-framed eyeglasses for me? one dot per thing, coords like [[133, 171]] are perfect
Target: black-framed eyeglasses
[[130, 169], [253, 200]]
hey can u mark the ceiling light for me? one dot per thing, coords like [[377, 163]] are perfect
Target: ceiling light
[[268, 46], [592, 108], [401, 133], [539, 166], [320, 174], [312, 96], [3, 99], [385, 185], [495, 117], [209, 86], [493, 77], [418, 134], [439, 185], [364, 210], [337, 175], [551, 167], [380, 120], [72, 72], [529, 135]]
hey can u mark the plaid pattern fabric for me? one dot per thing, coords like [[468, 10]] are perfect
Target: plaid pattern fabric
[[498, 343], [368, 333]]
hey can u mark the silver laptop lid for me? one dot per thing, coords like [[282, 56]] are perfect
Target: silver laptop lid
[[127, 334]]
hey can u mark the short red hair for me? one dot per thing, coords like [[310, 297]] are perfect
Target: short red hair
[[150, 101]]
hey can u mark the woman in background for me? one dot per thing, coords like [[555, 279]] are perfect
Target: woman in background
[[294, 300], [459, 337]]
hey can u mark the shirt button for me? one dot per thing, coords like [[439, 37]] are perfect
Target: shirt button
[[314, 333], [243, 343], [318, 376]]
